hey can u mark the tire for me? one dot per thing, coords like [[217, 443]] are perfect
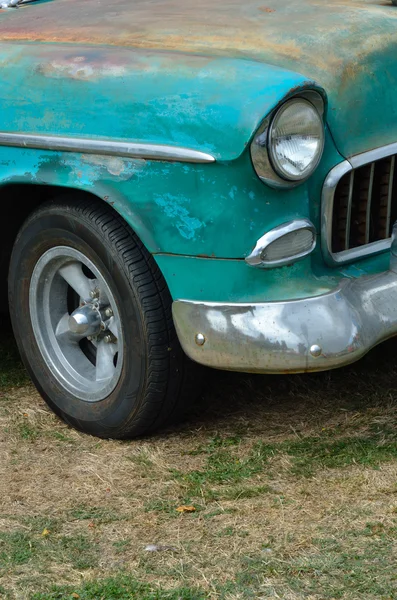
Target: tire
[[114, 369]]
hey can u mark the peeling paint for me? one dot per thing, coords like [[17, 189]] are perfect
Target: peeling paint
[[119, 167], [232, 192], [173, 207], [92, 167], [79, 67]]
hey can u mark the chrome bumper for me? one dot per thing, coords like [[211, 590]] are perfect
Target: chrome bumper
[[312, 334]]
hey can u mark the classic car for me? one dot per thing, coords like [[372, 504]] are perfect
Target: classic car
[[191, 182]]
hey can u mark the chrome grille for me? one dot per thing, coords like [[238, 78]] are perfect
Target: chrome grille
[[364, 206]]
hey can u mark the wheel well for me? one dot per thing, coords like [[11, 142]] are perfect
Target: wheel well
[[19, 201]]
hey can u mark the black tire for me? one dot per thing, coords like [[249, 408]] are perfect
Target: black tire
[[156, 376]]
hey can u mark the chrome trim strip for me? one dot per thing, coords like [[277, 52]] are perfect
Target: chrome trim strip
[[330, 184], [349, 211], [369, 202], [390, 196], [255, 258], [104, 147], [331, 181], [348, 256], [373, 155], [308, 334]]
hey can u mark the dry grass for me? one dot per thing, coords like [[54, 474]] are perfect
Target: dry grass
[[294, 481]]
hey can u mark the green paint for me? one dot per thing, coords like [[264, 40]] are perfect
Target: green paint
[[201, 221]]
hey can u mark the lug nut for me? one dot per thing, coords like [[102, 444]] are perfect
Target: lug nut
[[107, 339], [108, 313], [94, 293]]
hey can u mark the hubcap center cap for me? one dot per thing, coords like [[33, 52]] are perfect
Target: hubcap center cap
[[85, 320]]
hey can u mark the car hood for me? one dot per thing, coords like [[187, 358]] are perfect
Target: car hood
[[347, 47]]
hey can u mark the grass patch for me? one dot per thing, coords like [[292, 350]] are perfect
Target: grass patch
[[16, 548], [61, 437], [229, 467], [38, 523], [224, 466], [340, 569], [28, 432], [80, 551], [243, 492], [84, 512], [311, 454], [121, 546], [120, 588], [293, 480]]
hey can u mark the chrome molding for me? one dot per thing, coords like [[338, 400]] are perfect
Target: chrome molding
[[373, 155], [255, 260], [310, 334], [330, 185], [104, 147]]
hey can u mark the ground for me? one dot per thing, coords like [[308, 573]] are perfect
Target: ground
[[293, 482]]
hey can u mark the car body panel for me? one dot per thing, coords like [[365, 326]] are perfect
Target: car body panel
[[347, 46], [206, 104], [213, 280], [216, 210], [130, 77]]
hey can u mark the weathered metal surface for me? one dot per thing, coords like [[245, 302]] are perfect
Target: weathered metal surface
[[202, 76], [205, 104], [217, 209], [286, 28], [348, 46], [310, 334]]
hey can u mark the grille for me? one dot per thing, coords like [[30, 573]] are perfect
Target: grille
[[365, 205]]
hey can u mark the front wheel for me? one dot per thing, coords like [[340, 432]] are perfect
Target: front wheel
[[91, 315]]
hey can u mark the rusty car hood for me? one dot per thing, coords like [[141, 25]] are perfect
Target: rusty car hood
[[347, 47]]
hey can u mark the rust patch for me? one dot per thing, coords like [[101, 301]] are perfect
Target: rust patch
[[319, 33], [319, 39]]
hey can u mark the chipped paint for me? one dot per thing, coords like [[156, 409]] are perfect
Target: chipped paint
[[79, 67], [91, 168], [114, 165], [174, 207]]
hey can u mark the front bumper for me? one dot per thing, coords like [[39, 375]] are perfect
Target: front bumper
[[311, 334]]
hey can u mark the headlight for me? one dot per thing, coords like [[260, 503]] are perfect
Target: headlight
[[290, 147], [296, 140]]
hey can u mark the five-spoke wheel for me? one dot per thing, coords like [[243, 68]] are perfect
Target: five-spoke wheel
[[92, 317], [76, 323]]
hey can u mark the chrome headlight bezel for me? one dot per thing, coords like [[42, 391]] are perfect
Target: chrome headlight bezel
[[261, 154]]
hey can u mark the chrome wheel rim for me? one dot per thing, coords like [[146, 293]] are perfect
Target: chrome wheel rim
[[76, 323]]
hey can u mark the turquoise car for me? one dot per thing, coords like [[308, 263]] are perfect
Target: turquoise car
[[193, 182]]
